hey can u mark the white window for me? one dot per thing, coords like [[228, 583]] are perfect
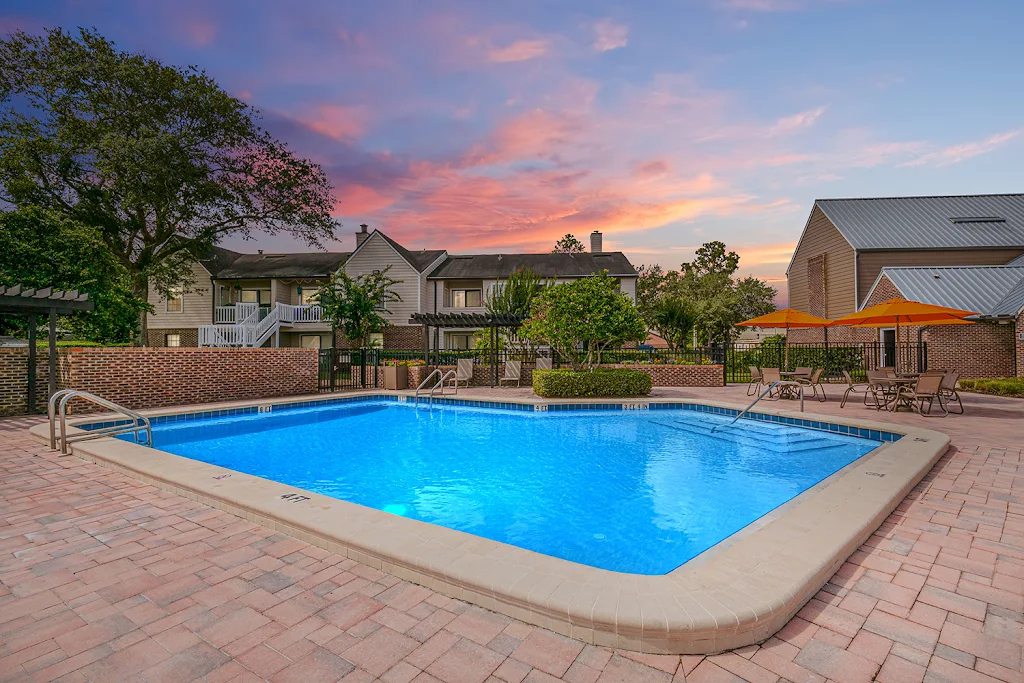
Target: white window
[[307, 295], [382, 305], [465, 298], [175, 301], [172, 339], [225, 296], [461, 341], [309, 341], [256, 296], [377, 340]]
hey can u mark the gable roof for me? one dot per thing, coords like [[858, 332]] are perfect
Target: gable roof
[[990, 290], [225, 264], [953, 222], [420, 260], [500, 266]]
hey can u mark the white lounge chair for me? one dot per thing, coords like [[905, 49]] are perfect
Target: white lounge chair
[[513, 369], [463, 373], [543, 363]]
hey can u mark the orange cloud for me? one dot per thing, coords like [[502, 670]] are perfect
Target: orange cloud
[[519, 51]]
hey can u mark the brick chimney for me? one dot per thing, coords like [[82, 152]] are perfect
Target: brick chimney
[[362, 234], [595, 242]]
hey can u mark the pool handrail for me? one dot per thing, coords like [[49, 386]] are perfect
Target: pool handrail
[[440, 383], [139, 422], [435, 371], [763, 394]]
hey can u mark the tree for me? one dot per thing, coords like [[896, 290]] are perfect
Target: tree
[[753, 298], [580, 319], [515, 295], [673, 318], [568, 245], [355, 304], [159, 158], [44, 249]]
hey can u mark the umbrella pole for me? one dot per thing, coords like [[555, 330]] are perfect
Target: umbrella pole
[[786, 369]]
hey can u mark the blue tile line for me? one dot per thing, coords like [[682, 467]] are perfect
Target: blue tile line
[[862, 432]]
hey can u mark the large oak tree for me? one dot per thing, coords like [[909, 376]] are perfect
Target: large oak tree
[[160, 159]]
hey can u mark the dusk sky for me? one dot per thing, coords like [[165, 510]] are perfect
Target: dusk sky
[[500, 126]]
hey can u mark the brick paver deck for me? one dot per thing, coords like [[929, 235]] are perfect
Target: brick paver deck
[[103, 578]]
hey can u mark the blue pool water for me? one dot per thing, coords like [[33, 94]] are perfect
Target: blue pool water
[[630, 491]]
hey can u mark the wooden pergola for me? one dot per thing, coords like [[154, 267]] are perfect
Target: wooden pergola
[[17, 299], [466, 321]]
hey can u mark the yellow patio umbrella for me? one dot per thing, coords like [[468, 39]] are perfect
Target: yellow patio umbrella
[[896, 312], [789, 318]]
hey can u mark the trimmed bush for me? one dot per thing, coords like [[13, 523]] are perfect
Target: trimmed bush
[[603, 382], [1001, 386]]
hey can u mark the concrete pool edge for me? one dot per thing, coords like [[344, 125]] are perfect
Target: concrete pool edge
[[737, 595]]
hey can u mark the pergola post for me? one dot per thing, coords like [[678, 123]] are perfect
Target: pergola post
[[53, 353], [32, 322], [426, 344]]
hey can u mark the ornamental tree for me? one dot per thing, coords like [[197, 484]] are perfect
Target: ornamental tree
[[355, 304], [580, 319], [160, 159]]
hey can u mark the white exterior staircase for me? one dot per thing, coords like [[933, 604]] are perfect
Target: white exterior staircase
[[248, 325]]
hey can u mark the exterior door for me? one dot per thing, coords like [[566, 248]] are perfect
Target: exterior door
[[887, 337]]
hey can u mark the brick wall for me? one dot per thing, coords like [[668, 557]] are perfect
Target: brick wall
[[395, 337], [14, 378], [682, 375], [977, 351], [1019, 332], [153, 377], [158, 338]]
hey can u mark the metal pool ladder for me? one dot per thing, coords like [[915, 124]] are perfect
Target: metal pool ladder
[[55, 412], [438, 384], [763, 394]]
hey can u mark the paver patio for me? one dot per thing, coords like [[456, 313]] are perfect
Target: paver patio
[[104, 578]]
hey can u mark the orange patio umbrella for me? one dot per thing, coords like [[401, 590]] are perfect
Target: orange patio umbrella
[[898, 312], [790, 318]]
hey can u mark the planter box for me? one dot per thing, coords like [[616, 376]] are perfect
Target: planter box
[[396, 377]]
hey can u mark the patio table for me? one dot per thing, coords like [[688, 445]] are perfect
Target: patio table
[[899, 400]]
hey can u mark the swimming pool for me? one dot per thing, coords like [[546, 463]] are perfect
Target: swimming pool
[[638, 491]]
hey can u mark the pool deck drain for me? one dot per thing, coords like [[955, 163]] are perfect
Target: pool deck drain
[[936, 589]]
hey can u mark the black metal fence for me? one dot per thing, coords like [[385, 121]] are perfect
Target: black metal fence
[[357, 368]]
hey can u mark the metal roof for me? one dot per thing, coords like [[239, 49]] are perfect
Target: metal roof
[[1013, 303], [22, 299], [500, 266], [245, 266], [986, 289], [960, 222]]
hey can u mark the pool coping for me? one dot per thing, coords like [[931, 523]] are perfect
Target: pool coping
[[739, 593]]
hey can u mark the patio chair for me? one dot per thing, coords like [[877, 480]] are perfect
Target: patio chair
[[854, 388], [926, 388], [889, 372], [768, 377], [814, 382], [543, 363], [802, 373], [513, 369], [880, 387], [463, 373], [755, 382], [949, 391]]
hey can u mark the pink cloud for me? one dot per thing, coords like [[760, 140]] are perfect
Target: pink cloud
[[957, 153], [519, 51], [338, 122], [609, 35], [790, 124]]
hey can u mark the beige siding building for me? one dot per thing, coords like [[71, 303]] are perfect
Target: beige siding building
[[856, 252]]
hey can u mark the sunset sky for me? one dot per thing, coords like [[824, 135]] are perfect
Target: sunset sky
[[489, 126]]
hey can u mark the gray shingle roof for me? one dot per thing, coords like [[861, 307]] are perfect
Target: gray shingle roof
[[244, 266], [990, 290], [419, 260], [500, 266], [929, 222]]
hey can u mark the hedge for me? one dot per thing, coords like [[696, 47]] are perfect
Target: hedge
[[591, 384], [1001, 386]]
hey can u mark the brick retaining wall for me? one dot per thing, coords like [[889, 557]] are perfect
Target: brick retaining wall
[[682, 375], [14, 378], [158, 377]]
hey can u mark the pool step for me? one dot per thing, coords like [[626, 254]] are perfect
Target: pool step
[[778, 439]]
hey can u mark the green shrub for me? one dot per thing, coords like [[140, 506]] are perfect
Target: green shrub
[[591, 383], [1001, 386]]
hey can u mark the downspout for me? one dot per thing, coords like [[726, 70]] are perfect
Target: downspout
[[213, 301]]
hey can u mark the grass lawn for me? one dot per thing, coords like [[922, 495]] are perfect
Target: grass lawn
[[1002, 386]]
